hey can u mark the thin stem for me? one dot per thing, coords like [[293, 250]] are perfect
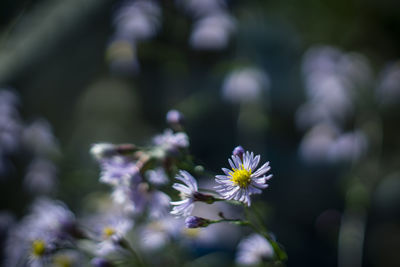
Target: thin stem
[[125, 244], [279, 252], [234, 221]]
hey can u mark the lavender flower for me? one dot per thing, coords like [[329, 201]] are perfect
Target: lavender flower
[[171, 142], [108, 229], [244, 180], [253, 250], [40, 233], [212, 32], [137, 197], [138, 20], [119, 170], [132, 198], [159, 204], [188, 193], [157, 176]]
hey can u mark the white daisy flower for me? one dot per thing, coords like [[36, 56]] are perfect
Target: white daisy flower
[[243, 180], [253, 250], [188, 192]]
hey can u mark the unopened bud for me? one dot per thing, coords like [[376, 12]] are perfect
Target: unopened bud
[[238, 151], [175, 118], [102, 150], [196, 222]]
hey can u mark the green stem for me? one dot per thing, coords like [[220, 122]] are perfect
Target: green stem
[[125, 244], [280, 253]]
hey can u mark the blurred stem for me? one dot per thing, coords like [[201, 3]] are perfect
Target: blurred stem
[[125, 244], [279, 252], [351, 238], [352, 229]]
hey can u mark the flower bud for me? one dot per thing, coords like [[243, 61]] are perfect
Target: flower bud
[[238, 151], [196, 222], [102, 150], [174, 117]]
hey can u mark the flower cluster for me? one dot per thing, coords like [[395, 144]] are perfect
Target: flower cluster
[[138, 215]]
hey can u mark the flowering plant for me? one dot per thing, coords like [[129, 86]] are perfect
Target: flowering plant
[[142, 216]]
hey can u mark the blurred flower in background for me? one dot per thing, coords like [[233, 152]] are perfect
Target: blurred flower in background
[[212, 32], [10, 127], [245, 85], [388, 89], [253, 250], [333, 81], [135, 21]]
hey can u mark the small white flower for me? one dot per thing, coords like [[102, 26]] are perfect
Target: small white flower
[[138, 20], [108, 229], [100, 150], [187, 191], [172, 141], [243, 180], [212, 32], [253, 250]]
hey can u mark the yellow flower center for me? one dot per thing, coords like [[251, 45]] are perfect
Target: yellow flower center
[[62, 261], [38, 247], [191, 232], [108, 232], [241, 176]]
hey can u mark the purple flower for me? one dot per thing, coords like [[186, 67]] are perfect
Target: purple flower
[[119, 170], [244, 179], [40, 233], [188, 190], [136, 198], [108, 229], [171, 142]]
